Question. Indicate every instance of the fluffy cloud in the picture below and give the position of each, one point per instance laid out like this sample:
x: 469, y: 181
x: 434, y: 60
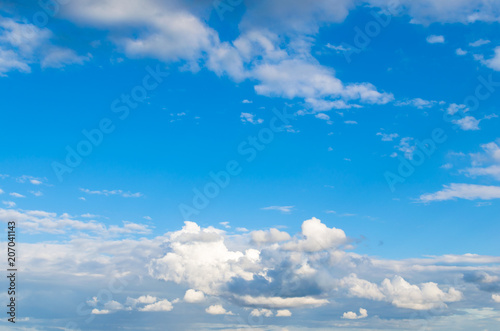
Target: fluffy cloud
x: 162, y: 305
x: 350, y: 315
x: 401, y: 293
x: 23, y: 44
x: 496, y: 297
x: 250, y: 118
x: 193, y: 296
x: 463, y: 191
x: 493, y: 62
x: 283, y: 313
x: 217, y: 310
x: 487, y: 162
x: 317, y: 237
x: 467, y: 123
x: 261, y: 312
x: 269, y: 236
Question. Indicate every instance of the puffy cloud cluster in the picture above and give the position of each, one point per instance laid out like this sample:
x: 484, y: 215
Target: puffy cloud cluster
x: 401, y: 293
x: 277, y: 271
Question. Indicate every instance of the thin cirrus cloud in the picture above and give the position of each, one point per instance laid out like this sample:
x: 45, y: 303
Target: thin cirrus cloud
x: 283, y: 209
x: 463, y: 191
x: 112, y: 192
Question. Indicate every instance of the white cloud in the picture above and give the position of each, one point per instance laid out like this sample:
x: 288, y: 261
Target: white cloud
x: 217, y: 310
x: 338, y: 48
x: 35, y: 221
x: 406, y: 147
x: 96, y: 311
x: 143, y: 299
x: 479, y: 42
x: 261, y: 312
x: 113, y: 192
x: 59, y: 57
x: 418, y: 103
x: 31, y: 179
x: 279, y: 302
x: 23, y: 44
x: 350, y: 122
x: 283, y: 209
x: 193, y: 296
x: 9, y: 204
x: 250, y: 118
x: 363, y: 313
x: 467, y: 123
x: 486, y: 163
x: 388, y: 136
x: 247, y: 101
x: 460, y: 52
x: 401, y: 293
x: 317, y: 237
x: 434, y: 39
x: 16, y: 195
x: 162, y: 305
x: 269, y: 236
x: 496, y: 297
x: 463, y: 191
x: 494, y: 62
x: 283, y: 313
x: 454, y: 108
x: 36, y: 193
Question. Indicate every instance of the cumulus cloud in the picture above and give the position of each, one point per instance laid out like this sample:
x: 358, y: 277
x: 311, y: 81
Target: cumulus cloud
x: 217, y: 310
x: 261, y: 312
x: 493, y: 62
x: 250, y: 118
x: 283, y: 313
x: 363, y: 313
x: 193, y: 296
x: 467, y: 123
x: 269, y: 236
x: 317, y: 237
x: 401, y: 293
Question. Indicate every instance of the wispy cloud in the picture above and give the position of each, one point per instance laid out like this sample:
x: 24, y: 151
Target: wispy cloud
x: 112, y: 192
x: 463, y: 191
x: 283, y: 209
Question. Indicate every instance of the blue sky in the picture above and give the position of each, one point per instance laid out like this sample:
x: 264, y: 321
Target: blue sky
x: 270, y: 165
